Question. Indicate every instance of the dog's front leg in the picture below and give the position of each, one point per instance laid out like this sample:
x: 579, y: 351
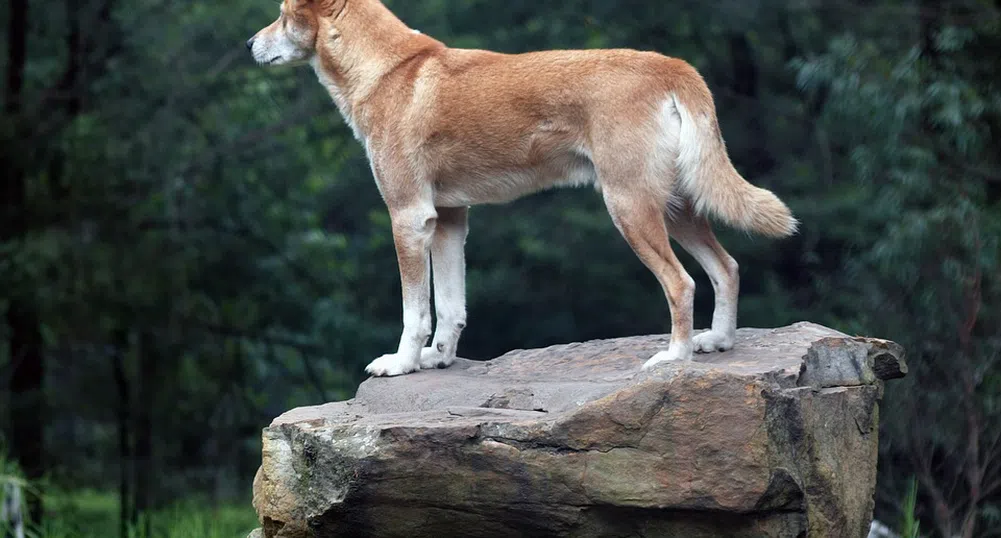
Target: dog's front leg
x: 413, y: 229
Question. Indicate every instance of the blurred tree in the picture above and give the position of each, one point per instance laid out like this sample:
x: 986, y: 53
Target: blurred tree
x: 915, y: 117
x: 27, y: 399
x: 200, y: 237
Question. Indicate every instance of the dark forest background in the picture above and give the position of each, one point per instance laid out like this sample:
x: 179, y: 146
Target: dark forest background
x: 191, y: 244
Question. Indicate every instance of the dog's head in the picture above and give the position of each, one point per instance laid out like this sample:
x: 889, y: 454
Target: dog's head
x: 292, y: 37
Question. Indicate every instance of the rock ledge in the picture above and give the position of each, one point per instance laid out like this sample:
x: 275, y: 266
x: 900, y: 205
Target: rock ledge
x: 777, y: 437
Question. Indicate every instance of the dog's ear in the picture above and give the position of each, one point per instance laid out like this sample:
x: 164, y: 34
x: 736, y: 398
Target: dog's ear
x: 328, y: 8
x: 319, y: 5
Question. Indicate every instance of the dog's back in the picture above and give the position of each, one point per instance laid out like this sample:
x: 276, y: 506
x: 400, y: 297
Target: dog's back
x: 490, y: 127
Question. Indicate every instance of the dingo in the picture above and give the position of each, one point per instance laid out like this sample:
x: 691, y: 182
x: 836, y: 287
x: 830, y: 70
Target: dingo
x: 447, y: 128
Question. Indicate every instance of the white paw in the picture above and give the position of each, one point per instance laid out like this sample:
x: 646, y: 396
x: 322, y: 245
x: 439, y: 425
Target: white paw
x: 392, y: 364
x: 432, y: 358
x: 673, y: 353
x: 711, y: 341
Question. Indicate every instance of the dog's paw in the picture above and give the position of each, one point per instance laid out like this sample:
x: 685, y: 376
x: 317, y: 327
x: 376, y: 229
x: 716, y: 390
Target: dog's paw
x: 391, y: 365
x: 711, y: 341
x: 673, y: 353
x: 432, y: 358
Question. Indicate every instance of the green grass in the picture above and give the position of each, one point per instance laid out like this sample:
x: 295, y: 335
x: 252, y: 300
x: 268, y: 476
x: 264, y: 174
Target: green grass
x: 909, y: 524
x: 94, y: 514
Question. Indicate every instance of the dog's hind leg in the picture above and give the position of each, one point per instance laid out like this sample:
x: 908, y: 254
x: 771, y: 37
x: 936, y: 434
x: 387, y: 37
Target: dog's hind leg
x: 639, y: 216
x: 449, y: 263
x: 695, y: 234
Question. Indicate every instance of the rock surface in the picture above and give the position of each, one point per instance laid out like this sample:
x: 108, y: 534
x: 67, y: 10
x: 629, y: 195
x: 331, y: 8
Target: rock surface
x: 777, y: 437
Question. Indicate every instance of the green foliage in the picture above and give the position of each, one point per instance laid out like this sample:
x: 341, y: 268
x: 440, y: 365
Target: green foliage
x: 205, y: 248
x: 92, y: 514
x: 917, y: 127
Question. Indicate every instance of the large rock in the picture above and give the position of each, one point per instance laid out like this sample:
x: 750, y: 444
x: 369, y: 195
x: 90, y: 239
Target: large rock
x: 777, y: 437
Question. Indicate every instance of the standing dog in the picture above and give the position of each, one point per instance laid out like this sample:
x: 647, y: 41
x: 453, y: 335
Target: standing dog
x: 447, y: 128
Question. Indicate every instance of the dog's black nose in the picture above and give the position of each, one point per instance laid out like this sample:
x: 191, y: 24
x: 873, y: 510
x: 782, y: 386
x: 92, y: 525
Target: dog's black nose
x: 250, y: 44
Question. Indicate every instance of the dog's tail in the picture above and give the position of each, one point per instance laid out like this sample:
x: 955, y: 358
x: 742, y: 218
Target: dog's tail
x: 709, y: 180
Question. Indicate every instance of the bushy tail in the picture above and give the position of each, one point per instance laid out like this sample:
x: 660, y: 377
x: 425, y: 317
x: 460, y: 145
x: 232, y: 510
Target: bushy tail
x: 709, y: 180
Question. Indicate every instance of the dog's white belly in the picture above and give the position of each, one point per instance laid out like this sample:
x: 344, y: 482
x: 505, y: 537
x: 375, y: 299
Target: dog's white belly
x: 460, y: 189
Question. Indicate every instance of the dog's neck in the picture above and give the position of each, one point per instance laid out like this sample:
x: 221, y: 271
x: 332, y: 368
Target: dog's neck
x: 356, y: 49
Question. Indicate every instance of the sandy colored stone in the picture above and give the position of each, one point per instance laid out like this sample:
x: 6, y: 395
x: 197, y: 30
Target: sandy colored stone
x: 777, y: 437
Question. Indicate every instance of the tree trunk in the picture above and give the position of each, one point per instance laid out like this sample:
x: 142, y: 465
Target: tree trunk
x: 148, y: 361
x: 928, y: 12
x: 11, y: 519
x: 27, y: 398
x: 123, y: 416
x: 28, y: 375
x: 17, y: 47
x: 745, y: 82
